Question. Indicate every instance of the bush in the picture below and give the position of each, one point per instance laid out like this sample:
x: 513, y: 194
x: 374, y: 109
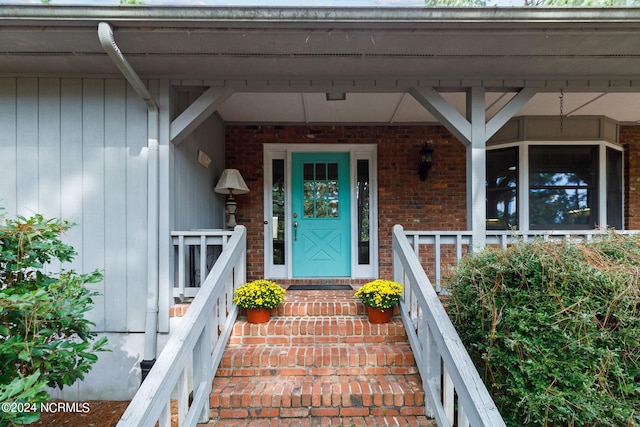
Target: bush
x: 554, y: 329
x: 44, y: 338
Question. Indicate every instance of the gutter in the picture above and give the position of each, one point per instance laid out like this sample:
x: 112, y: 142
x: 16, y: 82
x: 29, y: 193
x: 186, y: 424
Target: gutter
x: 190, y: 17
x: 105, y: 34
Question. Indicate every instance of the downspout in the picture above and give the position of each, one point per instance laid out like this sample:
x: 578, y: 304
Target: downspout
x: 105, y: 34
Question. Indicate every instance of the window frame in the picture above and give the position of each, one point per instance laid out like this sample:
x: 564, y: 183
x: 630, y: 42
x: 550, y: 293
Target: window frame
x: 523, y: 187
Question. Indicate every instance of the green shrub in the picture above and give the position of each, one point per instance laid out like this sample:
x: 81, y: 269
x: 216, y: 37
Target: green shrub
x: 554, y: 329
x: 44, y: 338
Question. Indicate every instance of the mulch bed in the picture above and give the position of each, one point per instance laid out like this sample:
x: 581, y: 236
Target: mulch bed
x: 99, y: 413
x: 92, y: 413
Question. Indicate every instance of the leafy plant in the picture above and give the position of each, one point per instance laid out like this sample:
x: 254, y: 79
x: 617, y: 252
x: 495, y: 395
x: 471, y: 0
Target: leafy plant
x: 259, y: 294
x: 554, y: 328
x: 380, y: 293
x: 44, y: 338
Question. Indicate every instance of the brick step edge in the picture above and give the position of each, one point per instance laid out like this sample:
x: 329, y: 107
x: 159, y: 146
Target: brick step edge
x: 306, y: 392
x: 397, y: 354
x: 329, y: 421
x: 365, y: 370
x: 318, y: 326
x: 305, y: 412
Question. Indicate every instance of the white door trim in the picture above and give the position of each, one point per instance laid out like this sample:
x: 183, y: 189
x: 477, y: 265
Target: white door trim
x: 357, y: 152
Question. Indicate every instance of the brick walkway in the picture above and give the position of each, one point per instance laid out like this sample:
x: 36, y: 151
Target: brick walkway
x: 318, y: 362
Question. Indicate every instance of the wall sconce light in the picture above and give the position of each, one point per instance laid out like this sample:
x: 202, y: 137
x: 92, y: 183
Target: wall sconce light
x: 426, y: 161
x: 231, y: 183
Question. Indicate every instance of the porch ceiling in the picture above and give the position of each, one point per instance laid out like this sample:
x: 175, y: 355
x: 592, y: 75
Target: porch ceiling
x: 281, y: 61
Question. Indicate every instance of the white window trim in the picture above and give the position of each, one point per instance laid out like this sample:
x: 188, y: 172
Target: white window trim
x: 523, y: 176
x: 357, y: 152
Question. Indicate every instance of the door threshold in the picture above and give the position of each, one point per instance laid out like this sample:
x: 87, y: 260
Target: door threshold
x: 319, y: 287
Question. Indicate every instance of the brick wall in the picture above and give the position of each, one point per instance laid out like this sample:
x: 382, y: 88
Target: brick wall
x: 630, y: 139
x: 436, y: 204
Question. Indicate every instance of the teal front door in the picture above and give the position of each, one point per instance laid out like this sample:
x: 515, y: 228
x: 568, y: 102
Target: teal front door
x: 320, y: 215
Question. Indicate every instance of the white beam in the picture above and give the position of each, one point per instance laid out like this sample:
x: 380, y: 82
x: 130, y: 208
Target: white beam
x: 508, y: 111
x: 455, y: 122
x: 198, y: 112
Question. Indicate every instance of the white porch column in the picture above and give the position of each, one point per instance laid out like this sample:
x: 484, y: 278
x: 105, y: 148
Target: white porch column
x: 473, y: 131
x: 476, y: 168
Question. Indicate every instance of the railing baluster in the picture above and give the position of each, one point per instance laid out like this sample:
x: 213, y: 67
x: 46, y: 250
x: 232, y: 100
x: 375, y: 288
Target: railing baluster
x: 203, y: 259
x: 448, y: 396
x: 165, y: 416
x: 463, y: 421
x: 183, y: 396
x: 201, y: 368
x: 181, y: 268
x: 437, y: 261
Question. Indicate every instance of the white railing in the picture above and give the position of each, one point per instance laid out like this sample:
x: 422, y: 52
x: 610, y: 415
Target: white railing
x: 191, y: 357
x: 454, y: 391
x: 436, y: 249
x: 195, y: 252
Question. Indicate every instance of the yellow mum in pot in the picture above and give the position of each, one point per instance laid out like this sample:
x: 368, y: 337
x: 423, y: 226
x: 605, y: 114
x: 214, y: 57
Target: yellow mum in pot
x: 259, y: 294
x: 382, y: 294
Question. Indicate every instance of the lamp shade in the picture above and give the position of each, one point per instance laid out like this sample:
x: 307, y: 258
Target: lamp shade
x: 231, y: 182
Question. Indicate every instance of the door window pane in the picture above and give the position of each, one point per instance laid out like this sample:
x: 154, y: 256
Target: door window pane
x: 320, y: 190
x: 363, y: 201
x: 278, y: 211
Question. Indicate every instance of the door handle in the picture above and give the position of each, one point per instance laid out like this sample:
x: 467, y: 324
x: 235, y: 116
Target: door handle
x: 295, y: 230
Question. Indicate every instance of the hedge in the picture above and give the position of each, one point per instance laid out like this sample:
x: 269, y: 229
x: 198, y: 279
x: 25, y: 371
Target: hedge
x: 554, y: 329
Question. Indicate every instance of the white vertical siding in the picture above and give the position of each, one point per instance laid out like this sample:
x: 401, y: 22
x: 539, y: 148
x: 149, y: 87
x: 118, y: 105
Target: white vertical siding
x: 115, y: 161
x: 136, y: 200
x: 71, y: 163
x: 93, y: 187
x: 27, y: 146
x: 8, y: 150
x: 195, y: 204
x: 76, y: 149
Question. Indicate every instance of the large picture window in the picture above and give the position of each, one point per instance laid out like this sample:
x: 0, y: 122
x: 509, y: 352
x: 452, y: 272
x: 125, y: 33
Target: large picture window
x: 536, y: 186
x: 563, y: 186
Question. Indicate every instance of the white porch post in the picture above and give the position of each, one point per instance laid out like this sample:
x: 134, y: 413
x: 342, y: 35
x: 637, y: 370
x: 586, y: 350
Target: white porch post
x: 476, y: 168
x: 473, y: 131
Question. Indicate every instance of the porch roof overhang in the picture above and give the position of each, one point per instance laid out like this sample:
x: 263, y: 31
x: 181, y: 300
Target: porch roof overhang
x: 291, y: 57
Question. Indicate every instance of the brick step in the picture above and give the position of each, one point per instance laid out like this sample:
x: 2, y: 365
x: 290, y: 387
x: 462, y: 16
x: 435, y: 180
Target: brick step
x: 320, y: 303
x: 306, y: 359
x: 317, y: 396
x: 368, y: 421
x: 319, y: 308
x: 317, y: 330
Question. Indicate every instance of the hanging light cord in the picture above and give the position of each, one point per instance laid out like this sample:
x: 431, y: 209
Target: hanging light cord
x: 561, y: 110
